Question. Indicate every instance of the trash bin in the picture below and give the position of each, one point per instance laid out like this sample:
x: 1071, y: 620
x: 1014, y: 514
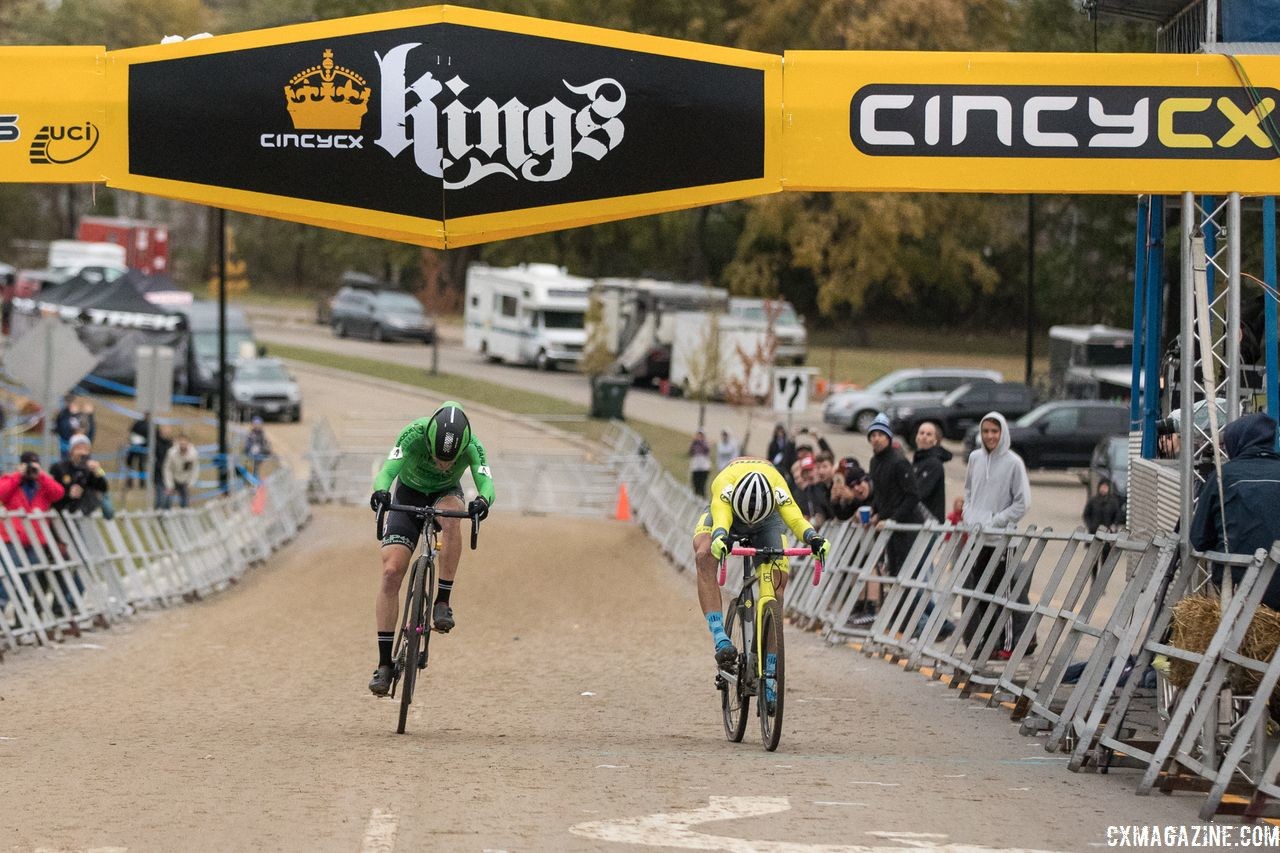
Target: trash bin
x: 607, y: 395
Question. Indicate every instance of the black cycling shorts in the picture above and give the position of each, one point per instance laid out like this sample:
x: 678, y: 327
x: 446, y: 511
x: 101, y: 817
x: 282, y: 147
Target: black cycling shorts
x: 401, y: 528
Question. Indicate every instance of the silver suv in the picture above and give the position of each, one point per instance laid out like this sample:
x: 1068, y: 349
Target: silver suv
x: 263, y: 387
x: 856, y: 409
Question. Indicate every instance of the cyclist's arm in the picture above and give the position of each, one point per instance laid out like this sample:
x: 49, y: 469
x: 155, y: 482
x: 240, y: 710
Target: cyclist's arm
x: 721, y: 509
x: 787, y: 507
x: 390, y: 468
x: 480, y: 471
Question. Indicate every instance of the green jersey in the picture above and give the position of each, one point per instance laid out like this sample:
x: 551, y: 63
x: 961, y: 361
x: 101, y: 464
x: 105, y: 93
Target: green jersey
x: 411, y: 460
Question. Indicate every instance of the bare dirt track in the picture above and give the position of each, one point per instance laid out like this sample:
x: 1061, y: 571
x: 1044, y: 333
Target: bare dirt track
x: 243, y: 723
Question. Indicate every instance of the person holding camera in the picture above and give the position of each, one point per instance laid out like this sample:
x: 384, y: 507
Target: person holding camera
x: 31, y: 489
x: 82, y: 478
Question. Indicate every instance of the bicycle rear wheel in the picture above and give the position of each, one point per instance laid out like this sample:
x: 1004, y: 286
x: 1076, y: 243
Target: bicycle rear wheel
x: 734, y: 698
x: 773, y: 676
x: 415, y: 635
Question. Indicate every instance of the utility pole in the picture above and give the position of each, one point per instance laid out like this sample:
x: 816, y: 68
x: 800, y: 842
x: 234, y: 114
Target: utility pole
x: 1031, y: 287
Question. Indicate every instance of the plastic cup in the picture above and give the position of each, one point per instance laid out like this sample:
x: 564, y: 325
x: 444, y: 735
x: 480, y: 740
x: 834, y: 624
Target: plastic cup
x: 864, y: 514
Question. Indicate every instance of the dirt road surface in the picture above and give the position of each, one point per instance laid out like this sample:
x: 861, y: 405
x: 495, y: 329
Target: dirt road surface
x: 571, y: 709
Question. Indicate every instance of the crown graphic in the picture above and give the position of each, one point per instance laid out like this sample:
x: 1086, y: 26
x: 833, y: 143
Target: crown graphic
x: 327, y: 97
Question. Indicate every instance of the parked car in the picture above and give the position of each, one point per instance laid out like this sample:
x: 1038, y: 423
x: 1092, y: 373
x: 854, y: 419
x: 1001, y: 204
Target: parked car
x: 262, y: 386
x: 350, y: 278
x: 962, y: 408
x: 382, y: 315
x: 1110, y: 462
x: 856, y: 409
x: 1062, y: 434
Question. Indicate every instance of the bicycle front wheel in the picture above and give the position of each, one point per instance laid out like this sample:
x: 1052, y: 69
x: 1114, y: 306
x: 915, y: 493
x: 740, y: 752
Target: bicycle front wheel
x: 415, y: 630
x: 734, y: 698
x: 772, y: 686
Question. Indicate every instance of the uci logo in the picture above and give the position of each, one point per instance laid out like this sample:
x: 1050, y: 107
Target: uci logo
x: 9, y: 128
x: 1213, y: 123
x: 59, y: 144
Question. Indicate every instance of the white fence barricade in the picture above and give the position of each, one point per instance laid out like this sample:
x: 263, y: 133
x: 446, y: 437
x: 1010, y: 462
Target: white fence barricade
x: 61, y: 574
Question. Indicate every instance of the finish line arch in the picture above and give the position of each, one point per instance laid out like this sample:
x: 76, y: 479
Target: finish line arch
x: 445, y: 127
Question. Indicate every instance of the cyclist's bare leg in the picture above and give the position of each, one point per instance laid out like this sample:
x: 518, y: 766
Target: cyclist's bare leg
x: 450, y: 538
x: 708, y: 588
x: 395, y: 562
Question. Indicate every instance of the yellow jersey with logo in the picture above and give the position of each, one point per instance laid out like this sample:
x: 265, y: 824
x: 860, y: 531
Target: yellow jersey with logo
x: 722, y: 496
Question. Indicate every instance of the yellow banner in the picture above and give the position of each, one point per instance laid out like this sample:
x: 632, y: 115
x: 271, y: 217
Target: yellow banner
x: 53, y: 110
x: 1024, y: 123
x: 444, y: 126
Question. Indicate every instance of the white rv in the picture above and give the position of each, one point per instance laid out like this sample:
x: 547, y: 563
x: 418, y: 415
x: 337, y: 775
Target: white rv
x: 530, y: 314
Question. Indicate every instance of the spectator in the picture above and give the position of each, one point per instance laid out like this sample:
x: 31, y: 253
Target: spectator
x: 1103, y: 511
x: 1243, y: 517
x: 181, y: 470
x: 699, y: 463
x: 850, y: 489
x: 782, y: 450
x: 135, y: 456
x: 997, y: 494
x: 893, y: 491
x: 28, y: 488
x: 727, y: 450
x: 164, y: 441
x: 931, y: 476
x: 75, y: 417
x: 82, y: 479
x: 257, y: 447
x: 802, y: 478
x: 818, y: 493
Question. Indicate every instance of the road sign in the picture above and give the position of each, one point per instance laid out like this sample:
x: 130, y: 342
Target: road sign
x: 154, y: 379
x: 49, y: 360
x: 791, y: 389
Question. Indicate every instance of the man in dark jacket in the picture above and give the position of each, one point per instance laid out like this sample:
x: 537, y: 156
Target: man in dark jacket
x: 893, y: 491
x: 1103, y: 510
x: 931, y: 478
x: 82, y: 478
x: 1243, y: 518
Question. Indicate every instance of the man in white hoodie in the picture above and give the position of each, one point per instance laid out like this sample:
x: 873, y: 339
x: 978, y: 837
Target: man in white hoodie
x: 997, y: 493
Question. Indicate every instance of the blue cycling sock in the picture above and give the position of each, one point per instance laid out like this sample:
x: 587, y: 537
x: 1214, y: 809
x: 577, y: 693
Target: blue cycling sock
x: 770, y: 684
x: 770, y: 664
x: 715, y: 622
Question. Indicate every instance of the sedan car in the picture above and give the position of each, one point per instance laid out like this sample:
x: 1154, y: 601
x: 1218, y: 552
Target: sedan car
x: 856, y: 409
x: 262, y: 386
x: 1062, y: 434
x: 382, y: 315
x: 962, y: 408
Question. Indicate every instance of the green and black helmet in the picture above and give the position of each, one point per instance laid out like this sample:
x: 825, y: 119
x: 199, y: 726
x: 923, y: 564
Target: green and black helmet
x: 448, y: 432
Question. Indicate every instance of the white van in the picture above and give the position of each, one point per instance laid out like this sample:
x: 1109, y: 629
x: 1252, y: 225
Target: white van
x: 530, y: 314
x: 69, y: 257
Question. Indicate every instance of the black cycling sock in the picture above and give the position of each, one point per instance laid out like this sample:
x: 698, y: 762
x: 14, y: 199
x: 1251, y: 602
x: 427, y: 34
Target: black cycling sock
x: 385, y: 639
x: 443, y: 588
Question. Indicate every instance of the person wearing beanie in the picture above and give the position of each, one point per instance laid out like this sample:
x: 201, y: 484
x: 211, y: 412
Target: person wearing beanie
x: 1240, y: 517
x: 894, y: 495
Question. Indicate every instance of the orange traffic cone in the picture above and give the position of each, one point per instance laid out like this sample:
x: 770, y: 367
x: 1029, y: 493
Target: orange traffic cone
x: 259, y: 504
x: 623, y: 512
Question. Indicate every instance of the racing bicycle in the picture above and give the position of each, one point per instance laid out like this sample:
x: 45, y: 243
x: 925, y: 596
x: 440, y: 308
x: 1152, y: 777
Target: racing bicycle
x: 754, y: 623
x: 409, y: 654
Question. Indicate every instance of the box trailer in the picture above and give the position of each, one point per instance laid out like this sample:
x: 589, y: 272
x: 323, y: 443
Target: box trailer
x: 718, y: 353
x: 145, y: 244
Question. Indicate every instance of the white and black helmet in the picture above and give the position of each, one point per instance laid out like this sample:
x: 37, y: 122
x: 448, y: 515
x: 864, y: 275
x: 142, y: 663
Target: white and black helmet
x: 752, y: 499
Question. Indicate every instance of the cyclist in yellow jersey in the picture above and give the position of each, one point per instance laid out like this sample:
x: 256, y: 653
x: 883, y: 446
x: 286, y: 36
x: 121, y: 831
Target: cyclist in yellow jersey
x: 750, y: 504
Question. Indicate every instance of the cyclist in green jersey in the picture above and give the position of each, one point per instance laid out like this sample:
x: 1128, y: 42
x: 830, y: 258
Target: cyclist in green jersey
x: 424, y: 468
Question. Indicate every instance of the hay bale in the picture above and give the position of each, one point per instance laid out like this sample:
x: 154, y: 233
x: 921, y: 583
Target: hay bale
x: 1195, y: 619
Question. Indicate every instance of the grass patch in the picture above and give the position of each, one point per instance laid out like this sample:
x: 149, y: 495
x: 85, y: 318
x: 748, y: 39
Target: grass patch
x: 670, y: 447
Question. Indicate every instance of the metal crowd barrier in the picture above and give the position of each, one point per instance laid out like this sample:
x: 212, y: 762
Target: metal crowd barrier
x: 60, y: 574
x: 1079, y: 675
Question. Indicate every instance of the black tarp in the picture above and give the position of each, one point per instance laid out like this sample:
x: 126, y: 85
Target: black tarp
x: 112, y: 320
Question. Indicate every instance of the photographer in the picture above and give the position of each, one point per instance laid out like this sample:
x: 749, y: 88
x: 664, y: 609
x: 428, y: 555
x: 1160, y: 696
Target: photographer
x: 82, y: 478
x: 28, y: 488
